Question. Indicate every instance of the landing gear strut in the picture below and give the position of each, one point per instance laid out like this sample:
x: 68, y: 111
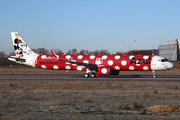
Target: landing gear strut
x: 154, y: 74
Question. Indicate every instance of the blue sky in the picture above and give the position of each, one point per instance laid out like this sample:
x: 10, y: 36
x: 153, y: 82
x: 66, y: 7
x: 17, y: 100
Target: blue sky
x: 90, y: 24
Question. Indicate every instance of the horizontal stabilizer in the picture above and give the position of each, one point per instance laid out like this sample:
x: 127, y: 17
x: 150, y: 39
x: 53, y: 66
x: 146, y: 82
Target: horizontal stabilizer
x: 16, y: 59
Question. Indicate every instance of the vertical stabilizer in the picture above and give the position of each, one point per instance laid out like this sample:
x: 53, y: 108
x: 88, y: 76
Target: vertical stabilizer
x: 20, y: 46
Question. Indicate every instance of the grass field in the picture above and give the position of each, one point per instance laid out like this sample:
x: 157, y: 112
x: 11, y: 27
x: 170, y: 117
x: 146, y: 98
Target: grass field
x: 88, y: 99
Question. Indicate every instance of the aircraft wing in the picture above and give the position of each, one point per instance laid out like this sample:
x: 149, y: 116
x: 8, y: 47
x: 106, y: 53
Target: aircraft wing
x: 87, y: 65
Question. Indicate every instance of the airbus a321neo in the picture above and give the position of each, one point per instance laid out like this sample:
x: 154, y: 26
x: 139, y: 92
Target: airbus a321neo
x: 93, y: 65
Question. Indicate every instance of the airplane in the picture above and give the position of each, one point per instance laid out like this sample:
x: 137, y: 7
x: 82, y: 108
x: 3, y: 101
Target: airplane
x: 93, y: 65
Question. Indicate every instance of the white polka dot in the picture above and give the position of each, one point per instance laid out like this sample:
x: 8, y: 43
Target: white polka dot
x: 67, y: 67
x: 131, y: 68
x: 92, y: 57
x: 43, y: 56
x: 117, y: 57
x: 131, y: 56
x: 74, y: 65
x: 138, y: 64
x: 104, y: 70
x: 123, y: 62
x: 68, y: 63
x: 79, y: 68
x: 110, y: 62
x: 98, y: 61
x: 104, y: 57
x: 85, y: 61
x: 68, y: 56
x: 55, y: 67
x: 145, y: 57
x: 43, y: 66
x: 74, y: 61
x: 80, y: 56
x: 117, y: 68
x: 145, y: 68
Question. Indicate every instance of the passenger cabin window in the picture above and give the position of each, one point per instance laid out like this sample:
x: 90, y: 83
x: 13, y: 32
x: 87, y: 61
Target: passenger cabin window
x: 164, y: 60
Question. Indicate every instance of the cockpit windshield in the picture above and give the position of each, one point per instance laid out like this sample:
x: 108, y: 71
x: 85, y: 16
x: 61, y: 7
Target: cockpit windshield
x: 164, y: 60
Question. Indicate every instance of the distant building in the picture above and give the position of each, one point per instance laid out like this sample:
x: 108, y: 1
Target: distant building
x: 170, y: 50
x: 155, y: 51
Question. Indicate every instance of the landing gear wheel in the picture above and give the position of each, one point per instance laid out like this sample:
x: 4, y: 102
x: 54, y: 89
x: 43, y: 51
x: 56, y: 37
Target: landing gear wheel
x: 86, y: 75
x: 93, y: 75
x: 154, y: 74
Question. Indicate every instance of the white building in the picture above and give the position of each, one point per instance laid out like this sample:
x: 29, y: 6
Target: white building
x: 170, y: 50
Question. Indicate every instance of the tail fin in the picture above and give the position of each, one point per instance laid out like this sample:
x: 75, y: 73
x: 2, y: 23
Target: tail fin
x: 20, y: 46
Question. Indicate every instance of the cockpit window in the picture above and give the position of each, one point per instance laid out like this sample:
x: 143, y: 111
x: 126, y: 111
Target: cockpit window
x: 164, y: 60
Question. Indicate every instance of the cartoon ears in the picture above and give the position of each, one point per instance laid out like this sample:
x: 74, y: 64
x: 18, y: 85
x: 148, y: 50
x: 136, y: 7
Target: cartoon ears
x: 16, y: 41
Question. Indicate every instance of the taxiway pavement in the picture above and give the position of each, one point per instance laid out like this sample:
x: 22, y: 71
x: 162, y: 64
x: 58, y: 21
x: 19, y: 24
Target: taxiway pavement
x: 55, y: 77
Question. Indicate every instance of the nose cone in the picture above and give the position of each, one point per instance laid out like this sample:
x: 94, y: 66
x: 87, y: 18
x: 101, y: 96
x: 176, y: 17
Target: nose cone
x: 169, y: 65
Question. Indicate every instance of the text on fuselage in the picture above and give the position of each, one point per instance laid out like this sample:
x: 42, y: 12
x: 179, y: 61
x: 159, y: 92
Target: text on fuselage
x: 140, y: 61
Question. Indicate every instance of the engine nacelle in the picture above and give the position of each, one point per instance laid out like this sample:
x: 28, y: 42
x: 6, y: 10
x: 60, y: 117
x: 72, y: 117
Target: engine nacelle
x: 114, y: 72
x: 103, y: 71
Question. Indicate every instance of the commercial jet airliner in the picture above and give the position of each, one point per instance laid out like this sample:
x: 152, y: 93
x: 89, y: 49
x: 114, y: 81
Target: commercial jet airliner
x: 93, y: 65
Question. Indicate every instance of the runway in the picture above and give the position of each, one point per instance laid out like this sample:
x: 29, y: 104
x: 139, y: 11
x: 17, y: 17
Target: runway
x: 75, y: 77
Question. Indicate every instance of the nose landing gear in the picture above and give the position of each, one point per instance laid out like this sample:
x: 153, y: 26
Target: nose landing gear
x: 154, y: 74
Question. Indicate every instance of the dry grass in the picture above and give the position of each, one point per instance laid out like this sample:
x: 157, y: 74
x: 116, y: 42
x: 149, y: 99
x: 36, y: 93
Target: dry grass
x: 164, y: 108
x: 89, y: 99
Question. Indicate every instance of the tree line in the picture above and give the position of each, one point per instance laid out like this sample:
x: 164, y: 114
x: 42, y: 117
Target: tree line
x: 3, y: 55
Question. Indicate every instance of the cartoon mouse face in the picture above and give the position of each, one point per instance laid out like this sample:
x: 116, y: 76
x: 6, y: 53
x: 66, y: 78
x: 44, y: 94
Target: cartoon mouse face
x: 20, y: 45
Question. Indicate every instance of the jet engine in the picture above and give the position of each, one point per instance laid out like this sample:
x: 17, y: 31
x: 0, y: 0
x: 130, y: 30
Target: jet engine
x: 103, y: 71
x: 114, y: 72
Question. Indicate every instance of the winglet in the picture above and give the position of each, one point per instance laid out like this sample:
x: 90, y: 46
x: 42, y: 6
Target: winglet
x: 54, y: 55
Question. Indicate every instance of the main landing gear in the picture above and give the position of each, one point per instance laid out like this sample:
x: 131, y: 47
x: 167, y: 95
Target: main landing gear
x: 154, y: 74
x: 86, y: 75
x: 89, y: 73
